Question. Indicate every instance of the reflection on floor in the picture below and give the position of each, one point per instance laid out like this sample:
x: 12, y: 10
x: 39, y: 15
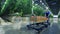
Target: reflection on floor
x: 54, y: 29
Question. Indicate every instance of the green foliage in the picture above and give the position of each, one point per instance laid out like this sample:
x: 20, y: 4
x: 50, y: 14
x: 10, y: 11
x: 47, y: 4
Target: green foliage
x: 23, y: 7
x: 6, y: 3
x: 51, y: 16
x: 0, y: 3
x: 38, y: 10
x: 13, y: 6
x: 58, y: 16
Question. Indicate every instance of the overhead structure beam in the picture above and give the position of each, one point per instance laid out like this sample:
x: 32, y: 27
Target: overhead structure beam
x: 54, y: 5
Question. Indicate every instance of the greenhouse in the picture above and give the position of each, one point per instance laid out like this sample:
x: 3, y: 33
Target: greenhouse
x: 29, y: 16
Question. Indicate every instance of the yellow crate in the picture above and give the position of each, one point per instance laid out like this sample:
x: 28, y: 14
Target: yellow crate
x: 39, y: 19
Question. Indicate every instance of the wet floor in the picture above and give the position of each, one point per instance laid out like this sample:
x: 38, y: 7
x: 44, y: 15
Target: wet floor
x: 53, y: 29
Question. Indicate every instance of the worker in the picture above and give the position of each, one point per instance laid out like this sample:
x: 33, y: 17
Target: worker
x: 47, y: 13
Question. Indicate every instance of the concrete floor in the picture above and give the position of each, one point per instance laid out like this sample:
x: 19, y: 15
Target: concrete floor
x: 53, y: 29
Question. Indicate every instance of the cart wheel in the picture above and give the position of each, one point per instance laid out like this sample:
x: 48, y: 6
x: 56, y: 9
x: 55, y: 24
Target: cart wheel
x: 38, y: 32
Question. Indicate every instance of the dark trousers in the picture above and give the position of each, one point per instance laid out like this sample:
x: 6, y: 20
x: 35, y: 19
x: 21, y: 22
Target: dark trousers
x: 48, y: 20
